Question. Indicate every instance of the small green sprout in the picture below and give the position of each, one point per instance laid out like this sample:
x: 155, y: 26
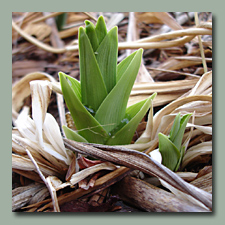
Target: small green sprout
x: 61, y: 21
x: 98, y: 102
x: 170, y: 146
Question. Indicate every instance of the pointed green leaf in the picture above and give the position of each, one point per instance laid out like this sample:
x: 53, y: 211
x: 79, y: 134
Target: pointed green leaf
x: 106, y: 56
x: 136, y: 112
x: 183, y: 123
x: 61, y: 21
x: 93, y: 89
x: 86, y: 124
x: 113, y: 109
x: 75, y: 84
x: 100, y: 29
x: 123, y: 65
x: 175, y: 128
x: 135, y: 108
x: 90, y: 31
x: 170, y: 153
x: 73, y: 135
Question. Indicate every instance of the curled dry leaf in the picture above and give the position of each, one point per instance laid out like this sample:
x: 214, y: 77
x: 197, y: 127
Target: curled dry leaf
x: 79, y: 176
x: 45, y: 122
x: 91, y: 170
x: 204, y: 82
x: 204, y: 129
x: 21, y: 90
x: 167, y: 19
x: 40, y: 31
x: 204, y: 148
x: 18, y: 147
x: 25, y: 164
x: 166, y: 91
x: 172, y: 106
x: 42, y: 133
x: 156, y: 41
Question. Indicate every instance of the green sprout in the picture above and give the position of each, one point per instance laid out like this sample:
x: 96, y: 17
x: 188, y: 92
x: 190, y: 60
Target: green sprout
x: 61, y: 21
x: 98, y: 102
x: 170, y: 146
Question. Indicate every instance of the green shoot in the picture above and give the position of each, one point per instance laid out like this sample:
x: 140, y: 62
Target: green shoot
x: 98, y: 102
x: 170, y: 146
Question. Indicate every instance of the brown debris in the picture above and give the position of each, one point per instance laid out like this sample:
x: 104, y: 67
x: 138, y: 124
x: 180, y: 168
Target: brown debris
x: 131, y: 190
x: 178, y: 67
x: 80, y: 206
x: 27, y: 66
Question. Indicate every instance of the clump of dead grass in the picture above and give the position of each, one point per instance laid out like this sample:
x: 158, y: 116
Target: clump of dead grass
x: 41, y: 154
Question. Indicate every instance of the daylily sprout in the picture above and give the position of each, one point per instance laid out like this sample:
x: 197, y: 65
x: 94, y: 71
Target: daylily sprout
x: 98, y: 102
x: 170, y: 146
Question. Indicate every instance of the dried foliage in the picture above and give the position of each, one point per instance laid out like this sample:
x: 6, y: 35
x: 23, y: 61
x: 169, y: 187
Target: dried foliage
x: 56, y: 174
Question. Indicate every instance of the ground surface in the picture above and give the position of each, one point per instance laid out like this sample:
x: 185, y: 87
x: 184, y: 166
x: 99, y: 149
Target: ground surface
x: 159, y: 64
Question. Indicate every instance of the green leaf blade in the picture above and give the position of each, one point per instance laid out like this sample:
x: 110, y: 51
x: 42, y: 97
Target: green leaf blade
x: 106, y: 56
x: 136, y: 112
x: 86, y: 124
x: 170, y: 153
x: 73, y: 135
x: 123, y: 65
x: 93, y: 89
x: 183, y: 123
x: 100, y: 29
x: 135, y: 108
x: 61, y: 21
x: 175, y: 128
x: 75, y: 85
x: 90, y: 31
x: 113, y: 108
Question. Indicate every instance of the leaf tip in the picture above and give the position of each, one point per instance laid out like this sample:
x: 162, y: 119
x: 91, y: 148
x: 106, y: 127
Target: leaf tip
x: 87, y: 22
x: 61, y: 75
x: 153, y: 95
x: 81, y: 31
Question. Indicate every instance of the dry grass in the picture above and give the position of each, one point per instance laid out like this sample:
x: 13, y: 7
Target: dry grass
x: 177, y: 64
